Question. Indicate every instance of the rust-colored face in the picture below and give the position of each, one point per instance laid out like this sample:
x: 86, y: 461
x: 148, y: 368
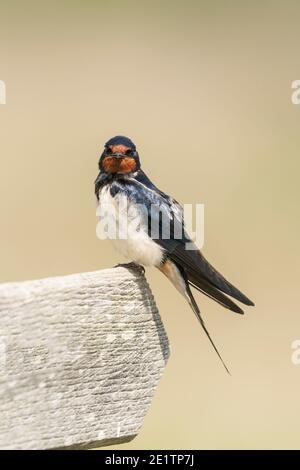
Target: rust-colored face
x: 119, y: 149
x: 119, y: 163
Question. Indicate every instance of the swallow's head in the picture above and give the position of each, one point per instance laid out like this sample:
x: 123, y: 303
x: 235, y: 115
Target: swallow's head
x: 119, y: 156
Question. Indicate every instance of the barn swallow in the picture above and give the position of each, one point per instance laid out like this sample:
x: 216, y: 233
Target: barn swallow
x: 120, y: 180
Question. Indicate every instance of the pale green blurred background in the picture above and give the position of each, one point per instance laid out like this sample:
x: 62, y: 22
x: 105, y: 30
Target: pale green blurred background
x: 204, y: 89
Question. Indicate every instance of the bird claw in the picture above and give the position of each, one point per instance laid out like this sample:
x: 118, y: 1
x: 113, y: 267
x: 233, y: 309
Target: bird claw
x: 131, y: 265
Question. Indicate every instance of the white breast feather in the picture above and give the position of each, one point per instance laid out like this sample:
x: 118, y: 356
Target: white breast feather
x: 134, y: 245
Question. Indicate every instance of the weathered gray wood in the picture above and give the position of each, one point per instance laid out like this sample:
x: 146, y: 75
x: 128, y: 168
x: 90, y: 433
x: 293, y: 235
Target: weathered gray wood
x: 80, y: 357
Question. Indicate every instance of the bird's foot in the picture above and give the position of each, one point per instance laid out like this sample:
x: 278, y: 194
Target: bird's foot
x: 131, y: 265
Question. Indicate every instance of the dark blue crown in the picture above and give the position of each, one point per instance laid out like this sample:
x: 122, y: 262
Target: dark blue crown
x: 120, y: 140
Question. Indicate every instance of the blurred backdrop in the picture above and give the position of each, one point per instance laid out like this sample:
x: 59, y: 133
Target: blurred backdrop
x: 204, y: 90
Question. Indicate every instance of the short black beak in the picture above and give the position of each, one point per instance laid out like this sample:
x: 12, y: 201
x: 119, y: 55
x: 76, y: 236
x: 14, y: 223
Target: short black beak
x: 117, y: 155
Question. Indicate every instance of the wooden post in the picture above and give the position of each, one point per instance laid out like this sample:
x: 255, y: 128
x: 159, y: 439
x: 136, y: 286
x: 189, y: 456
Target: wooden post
x: 80, y: 358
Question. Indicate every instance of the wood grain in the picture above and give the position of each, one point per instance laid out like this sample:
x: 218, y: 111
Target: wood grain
x: 80, y: 358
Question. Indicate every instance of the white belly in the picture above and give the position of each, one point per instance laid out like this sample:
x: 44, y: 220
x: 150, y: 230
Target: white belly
x: 119, y: 220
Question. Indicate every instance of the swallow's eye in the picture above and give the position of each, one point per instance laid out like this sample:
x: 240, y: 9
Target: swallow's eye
x: 129, y: 152
x: 108, y: 150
